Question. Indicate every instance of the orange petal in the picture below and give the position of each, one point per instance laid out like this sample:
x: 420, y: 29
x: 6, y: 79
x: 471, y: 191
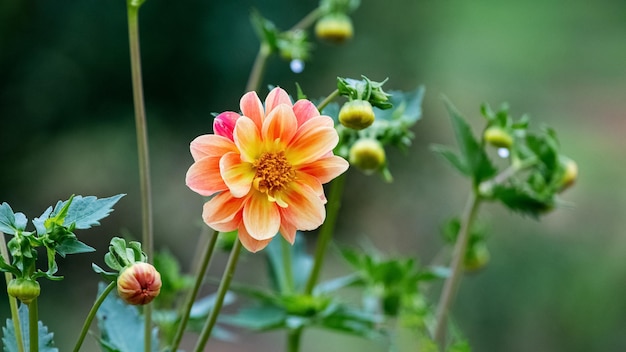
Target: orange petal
x: 223, y: 212
x: 280, y: 124
x: 312, y: 182
x: 313, y: 140
x: 261, y: 217
x: 306, y: 210
x: 288, y: 231
x: 251, y: 106
x: 210, y: 145
x: 204, y: 178
x: 304, y: 110
x: 325, y: 169
x: 247, y: 139
x: 237, y: 175
x: 276, y: 97
x: 249, y: 243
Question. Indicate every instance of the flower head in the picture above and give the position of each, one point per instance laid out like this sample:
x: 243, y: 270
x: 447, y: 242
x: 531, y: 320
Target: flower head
x: 265, y: 168
x: 139, y: 283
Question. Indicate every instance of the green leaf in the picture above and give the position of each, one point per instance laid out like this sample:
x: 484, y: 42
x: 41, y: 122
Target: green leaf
x: 301, y: 264
x: 107, y: 275
x: 85, y: 212
x: 523, y: 200
x: 46, y: 343
x: 452, y: 157
x: 10, y: 222
x: 40, y: 222
x: 261, y: 318
x: 71, y: 245
x: 121, y: 326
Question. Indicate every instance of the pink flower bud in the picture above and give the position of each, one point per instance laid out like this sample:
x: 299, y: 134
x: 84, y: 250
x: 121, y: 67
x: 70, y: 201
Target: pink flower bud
x: 139, y: 284
x: 224, y: 124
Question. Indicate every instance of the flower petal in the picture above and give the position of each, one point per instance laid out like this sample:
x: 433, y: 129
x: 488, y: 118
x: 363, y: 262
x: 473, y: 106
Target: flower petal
x: 204, y: 178
x: 237, y: 175
x: 224, y: 124
x: 312, y: 182
x: 223, y: 212
x: 288, y: 231
x: 280, y: 124
x: 313, y: 140
x: 325, y: 169
x: 276, y: 97
x: 210, y: 145
x: 306, y: 210
x: 261, y: 217
x: 249, y: 243
x: 247, y: 139
x: 304, y: 110
x: 251, y: 106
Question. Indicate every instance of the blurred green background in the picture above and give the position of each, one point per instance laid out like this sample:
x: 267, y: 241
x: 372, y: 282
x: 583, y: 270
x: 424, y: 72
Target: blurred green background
x: 554, y: 285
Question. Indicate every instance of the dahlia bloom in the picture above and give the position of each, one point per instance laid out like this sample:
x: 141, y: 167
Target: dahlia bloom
x: 265, y: 168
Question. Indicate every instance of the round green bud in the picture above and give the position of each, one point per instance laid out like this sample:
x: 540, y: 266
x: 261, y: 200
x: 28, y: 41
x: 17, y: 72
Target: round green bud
x: 367, y: 154
x: 498, y: 137
x: 477, y: 257
x: 357, y: 114
x: 26, y: 290
x: 334, y: 27
x: 570, y: 173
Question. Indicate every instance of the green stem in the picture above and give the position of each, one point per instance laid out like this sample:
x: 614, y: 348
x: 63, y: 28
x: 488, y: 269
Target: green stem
x: 33, y: 326
x: 308, y: 20
x: 229, y: 272
x: 15, y: 317
x: 328, y: 99
x: 287, y: 265
x: 456, y: 269
x: 258, y: 67
x: 142, y: 147
x: 326, y: 231
x: 293, y: 340
x: 206, y: 260
x: 92, y: 314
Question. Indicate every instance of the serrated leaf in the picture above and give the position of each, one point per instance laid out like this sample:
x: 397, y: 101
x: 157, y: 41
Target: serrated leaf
x: 40, y: 222
x: 7, y: 220
x: 85, y: 212
x: 121, y: 326
x: 71, y: 245
x: 452, y: 157
x: 46, y: 343
x: 522, y: 201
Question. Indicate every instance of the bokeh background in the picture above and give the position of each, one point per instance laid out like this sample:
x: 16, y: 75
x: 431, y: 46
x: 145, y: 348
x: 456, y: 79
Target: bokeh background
x: 557, y: 284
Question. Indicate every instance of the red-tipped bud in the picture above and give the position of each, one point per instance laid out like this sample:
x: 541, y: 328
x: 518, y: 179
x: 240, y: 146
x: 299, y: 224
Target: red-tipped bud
x: 139, y: 284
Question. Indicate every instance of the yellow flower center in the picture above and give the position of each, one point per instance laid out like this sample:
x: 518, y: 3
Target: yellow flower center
x: 273, y: 173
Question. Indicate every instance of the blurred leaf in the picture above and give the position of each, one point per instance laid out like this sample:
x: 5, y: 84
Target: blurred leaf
x: 121, y: 327
x: 46, y: 344
x: 173, y: 280
x: 523, y: 200
x: 85, y: 212
x: 265, y: 29
x: 452, y: 157
x: 261, y: 318
x: 337, y: 284
x: 301, y: 264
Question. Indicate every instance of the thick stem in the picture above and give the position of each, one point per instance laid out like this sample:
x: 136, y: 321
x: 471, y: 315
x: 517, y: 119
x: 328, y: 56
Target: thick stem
x: 293, y: 340
x: 258, y: 69
x: 456, y: 269
x: 326, y: 231
x: 142, y: 147
x: 33, y: 325
x: 229, y: 272
x: 328, y: 99
x: 92, y: 314
x: 206, y: 260
x: 15, y: 317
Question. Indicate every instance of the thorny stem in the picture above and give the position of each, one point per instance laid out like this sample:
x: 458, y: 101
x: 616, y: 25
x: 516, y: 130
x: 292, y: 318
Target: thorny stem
x: 33, y: 325
x: 206, y: 260
x: 258, y: 68
x: 229, y: 272
x: 142, y: 147
x: 15, y: 317
x: 327, y: 100
x: 92, y: 314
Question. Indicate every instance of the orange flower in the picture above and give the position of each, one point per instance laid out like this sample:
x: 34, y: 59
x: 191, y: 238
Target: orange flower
x: 265, y: 168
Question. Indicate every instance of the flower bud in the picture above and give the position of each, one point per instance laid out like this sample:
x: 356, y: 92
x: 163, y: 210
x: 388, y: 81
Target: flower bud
x: 26, y: 290
x: 477, y: 257
x: 498, y: 137
x: 139, y: 284
x: 367, y: 154
x: 357, y: 114
x: 334, y: 27
x: 570, y: 173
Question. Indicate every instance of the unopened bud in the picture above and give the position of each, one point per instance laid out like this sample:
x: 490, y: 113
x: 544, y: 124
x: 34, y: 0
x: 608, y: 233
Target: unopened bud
x: 570, y: 173
x: 367, y: 154
x: 334, y: 27
x: 139, y: 284
x: 357, y: 114
x: 477, y: 257
x: 498, y: 137
x: 26, y: 290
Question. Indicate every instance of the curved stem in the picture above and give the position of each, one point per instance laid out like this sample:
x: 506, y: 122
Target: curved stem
x: 206, y: 260
x: 92, y: 314
x: 142, y: 147
x: 259, y: 67
x: 15, y: 317
x: 308, y: 20
x: 33, y: 326
x: 456, y: 268
x: 328, y: 99
x: 326, y: 231
x: 229, y: 272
